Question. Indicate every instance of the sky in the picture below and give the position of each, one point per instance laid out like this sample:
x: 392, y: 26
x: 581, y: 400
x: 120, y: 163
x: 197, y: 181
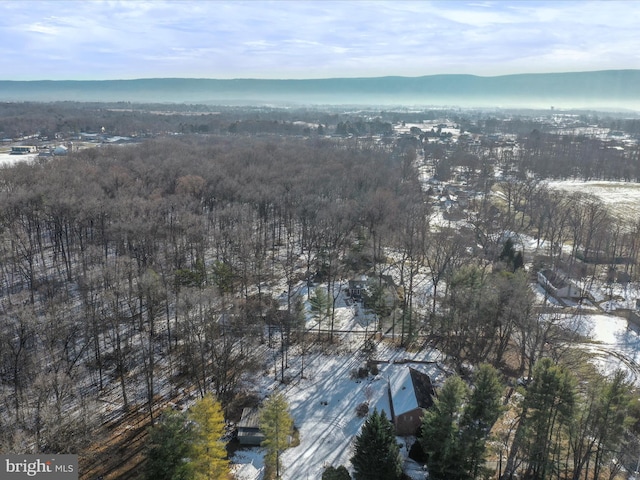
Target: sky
x: 293, y: 39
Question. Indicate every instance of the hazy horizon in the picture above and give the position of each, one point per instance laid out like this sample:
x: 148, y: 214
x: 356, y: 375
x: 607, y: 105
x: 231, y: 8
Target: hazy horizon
x: 602, y: 90
x: 303, y: 79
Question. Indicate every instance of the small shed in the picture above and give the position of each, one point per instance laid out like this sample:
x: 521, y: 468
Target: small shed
x: 249, y: 427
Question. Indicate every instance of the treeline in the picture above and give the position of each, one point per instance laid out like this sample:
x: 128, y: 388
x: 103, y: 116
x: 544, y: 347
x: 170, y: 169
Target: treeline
x: 579, y: 157
x: 544, y: 156
x: 539, y: 150
x: 127, y: 119
x: 523, y: 122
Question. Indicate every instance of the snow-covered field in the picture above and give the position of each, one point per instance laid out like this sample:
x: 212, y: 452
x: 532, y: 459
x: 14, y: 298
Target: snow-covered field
x: 623, y: 198
x: 618, y: 344
x: 616, y: 341
x: 8, y: 159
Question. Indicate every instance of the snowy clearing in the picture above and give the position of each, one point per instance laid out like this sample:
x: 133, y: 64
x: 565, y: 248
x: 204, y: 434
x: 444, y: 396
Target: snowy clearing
x: 324, y: 409
x: 623, y: 198
x: 7, y: 159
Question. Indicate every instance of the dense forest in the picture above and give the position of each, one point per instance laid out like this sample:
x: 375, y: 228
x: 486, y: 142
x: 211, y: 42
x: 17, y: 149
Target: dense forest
x: 116, y: 259
x: 132, y: 274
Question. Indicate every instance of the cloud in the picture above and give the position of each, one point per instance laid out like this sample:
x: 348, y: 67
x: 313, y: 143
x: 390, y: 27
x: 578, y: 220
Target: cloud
x: 298, y: 39
x: 41, y: 28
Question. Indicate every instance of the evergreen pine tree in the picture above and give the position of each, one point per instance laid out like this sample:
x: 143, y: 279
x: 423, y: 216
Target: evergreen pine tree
x: 377, y: 456
x: 480, y: 413
x: 333, y: 473
x: 518, y: 261
x: 276, y: 424
x: 441, y: 432
x: 319, y: 302
x: 548, y: 410
x: 208, y: 453
x: 455, y: 429
x: 167, y: 449
x: 613, y: 419
x: 508, y: 252
x: 513, y: 259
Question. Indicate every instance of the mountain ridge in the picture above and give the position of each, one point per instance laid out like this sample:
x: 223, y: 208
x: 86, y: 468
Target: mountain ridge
x: 610, y: 88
